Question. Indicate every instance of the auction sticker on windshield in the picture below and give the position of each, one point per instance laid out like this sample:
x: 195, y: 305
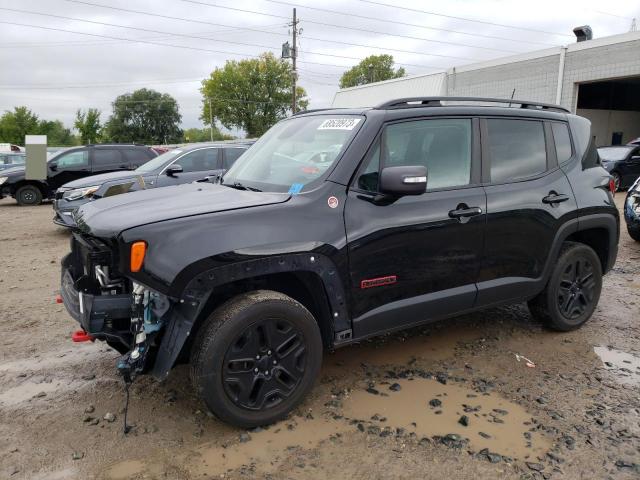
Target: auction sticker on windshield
x: 339, y: 124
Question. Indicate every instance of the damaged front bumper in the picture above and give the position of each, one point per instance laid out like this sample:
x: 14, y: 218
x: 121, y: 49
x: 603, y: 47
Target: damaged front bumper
x: 127, y: 315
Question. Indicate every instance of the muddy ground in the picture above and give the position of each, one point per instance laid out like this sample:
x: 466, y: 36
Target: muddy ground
x: 390, y: 408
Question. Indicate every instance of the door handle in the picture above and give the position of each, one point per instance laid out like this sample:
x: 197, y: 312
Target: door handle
x: 465, y: 212
x: 554, y: 198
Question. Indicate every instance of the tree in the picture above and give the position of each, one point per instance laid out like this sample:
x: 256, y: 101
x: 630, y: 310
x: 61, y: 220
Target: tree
x: 57, y: 134
x: 15, y: 125
x: 374, y: 68
x: 250, y: 94
x: 144, y: 116
x: 204, y: 135
x: 88, y: 124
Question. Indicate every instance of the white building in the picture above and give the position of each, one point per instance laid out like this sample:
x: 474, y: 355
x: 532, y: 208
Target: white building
x: 598, y: 79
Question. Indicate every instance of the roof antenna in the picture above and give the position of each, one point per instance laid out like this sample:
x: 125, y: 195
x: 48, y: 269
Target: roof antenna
x: 512, y: 94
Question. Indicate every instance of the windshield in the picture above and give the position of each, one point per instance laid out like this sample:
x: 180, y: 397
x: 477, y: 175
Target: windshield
x: 159, y: 161
x: 611, y: 154
x: 294, y: 154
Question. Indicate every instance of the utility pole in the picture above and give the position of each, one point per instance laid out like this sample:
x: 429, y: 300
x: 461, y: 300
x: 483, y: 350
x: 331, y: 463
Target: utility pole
x: 210, y: 120
x: 294, y: 55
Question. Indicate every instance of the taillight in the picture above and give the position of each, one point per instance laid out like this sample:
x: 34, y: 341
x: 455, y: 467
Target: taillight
x: 612, y: 186
x: 138, y: 250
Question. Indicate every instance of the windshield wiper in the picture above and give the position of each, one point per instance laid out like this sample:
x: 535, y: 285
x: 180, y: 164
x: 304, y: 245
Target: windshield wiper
x: 239, y: 186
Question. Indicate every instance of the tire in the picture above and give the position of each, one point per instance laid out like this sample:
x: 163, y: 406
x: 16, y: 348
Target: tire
x: 634, y: 232
x: 29, y: 195
x: 617, y: 181
x: 224, y: 357
x: 571, y: 294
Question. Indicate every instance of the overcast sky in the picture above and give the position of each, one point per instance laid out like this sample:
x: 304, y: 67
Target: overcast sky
x: 54, y: 72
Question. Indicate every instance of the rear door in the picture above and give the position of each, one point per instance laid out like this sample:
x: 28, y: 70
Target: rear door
x: 196, y: 165
x: 416, y: 257
x: 528, y: 199
x: 134, y: 157
x: 105, y: 160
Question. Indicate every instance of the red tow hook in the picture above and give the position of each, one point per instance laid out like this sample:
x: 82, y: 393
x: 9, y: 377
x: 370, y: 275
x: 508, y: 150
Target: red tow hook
x: 59, y: 298
x: 81, y: 336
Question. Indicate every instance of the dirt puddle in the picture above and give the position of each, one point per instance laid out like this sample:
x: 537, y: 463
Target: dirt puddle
x: 493, y: 422
x: 625, y: 366
x: 266, y: 448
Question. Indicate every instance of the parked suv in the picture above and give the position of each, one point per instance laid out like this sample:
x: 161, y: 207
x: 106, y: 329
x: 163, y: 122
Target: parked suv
x: 72, y: 164
x: 338, y: 225
x: 622, y: 162
x: 181, y: 165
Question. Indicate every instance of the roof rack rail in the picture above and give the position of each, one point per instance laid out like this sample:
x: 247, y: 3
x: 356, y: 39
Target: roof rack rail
x: 300, y: 112
x: 414, y: 102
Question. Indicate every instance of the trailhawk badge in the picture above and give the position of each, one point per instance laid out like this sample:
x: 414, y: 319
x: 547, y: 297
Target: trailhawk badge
x: 332, y: 202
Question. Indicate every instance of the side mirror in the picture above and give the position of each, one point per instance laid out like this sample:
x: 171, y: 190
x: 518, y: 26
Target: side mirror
x: 173, y: 170
x: 406, y: 180
x: 53, y: 166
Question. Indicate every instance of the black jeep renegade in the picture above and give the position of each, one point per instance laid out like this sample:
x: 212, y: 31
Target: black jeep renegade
x: 338, y: 225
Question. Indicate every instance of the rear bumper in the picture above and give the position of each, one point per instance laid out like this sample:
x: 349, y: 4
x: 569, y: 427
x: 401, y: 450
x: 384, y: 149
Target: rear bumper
x: 94, y: 313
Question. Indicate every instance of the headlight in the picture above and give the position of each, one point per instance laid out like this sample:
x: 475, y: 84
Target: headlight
x: 79, y: 193
x: 3, y: 179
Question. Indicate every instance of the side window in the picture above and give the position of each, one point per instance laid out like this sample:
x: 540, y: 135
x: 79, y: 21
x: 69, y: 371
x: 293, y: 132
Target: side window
x: 199, y: 160
x: 517, y: 149
x: 105, y: 158
x: 73, y: 160
x: 136, y: 156
x: 231, y: 155
x: 562, y: 141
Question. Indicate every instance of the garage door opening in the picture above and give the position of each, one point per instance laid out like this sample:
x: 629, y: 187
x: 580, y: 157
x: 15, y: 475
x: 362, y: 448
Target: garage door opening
x: 613, y: 106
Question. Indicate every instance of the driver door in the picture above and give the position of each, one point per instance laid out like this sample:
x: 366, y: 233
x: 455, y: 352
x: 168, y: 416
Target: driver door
x: 196, y: 165
x: 416, y: 258
x: 69, y: 167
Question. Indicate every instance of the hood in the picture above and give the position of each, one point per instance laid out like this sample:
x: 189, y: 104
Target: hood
x: 12, y: 172
x: 102, y: 178
x: 109, y: 216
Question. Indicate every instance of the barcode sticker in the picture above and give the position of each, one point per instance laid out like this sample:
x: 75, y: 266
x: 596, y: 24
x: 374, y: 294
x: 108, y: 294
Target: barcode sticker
x: 339, y: 124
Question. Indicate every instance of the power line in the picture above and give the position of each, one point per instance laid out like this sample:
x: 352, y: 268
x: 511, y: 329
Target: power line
x: 351, y: 28
x: 413, y: 52
x: 197, y: 37
x: 406, y: 24
x: 427, y: 12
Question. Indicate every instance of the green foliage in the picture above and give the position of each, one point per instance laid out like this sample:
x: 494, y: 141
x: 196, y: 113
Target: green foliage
x: 374, y: 68
x: 15, y: 125
x: 144, y: 116
x: 57, y: 134
x: 88, y: 124
x: 250, y: 94
x: 193, y: 135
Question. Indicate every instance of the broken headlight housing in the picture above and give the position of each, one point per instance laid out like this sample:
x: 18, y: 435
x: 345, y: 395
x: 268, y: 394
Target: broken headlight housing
x: 78, y: 193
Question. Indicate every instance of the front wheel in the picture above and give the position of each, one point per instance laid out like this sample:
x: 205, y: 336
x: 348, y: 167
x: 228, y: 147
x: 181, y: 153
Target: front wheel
x: 256, y: 357
x: 572, y: 291
x: 29, y: 195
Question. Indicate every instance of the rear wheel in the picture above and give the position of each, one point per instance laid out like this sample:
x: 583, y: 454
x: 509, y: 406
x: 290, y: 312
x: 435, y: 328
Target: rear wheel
x: 573, y: 289
x: 256, y: 357
x: 29, y: 195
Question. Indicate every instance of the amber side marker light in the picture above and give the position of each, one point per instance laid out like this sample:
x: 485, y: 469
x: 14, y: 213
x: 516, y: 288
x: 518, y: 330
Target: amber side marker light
x: 138, y: 250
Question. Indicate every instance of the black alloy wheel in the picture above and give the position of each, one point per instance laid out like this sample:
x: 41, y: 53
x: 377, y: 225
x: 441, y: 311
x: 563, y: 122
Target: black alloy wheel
x: 255, y: 358
x: 577, y: 288
x: 264, y: 364
x: 572, y: 291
